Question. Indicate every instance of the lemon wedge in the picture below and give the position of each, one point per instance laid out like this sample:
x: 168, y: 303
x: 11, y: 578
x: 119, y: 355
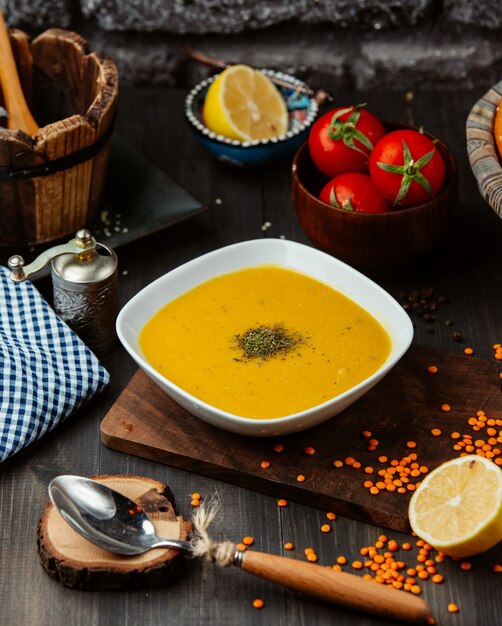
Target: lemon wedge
x: 243, y: 104
x: 458, y: 506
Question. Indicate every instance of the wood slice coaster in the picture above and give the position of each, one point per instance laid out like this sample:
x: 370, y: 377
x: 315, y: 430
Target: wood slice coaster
x: 75, y: 562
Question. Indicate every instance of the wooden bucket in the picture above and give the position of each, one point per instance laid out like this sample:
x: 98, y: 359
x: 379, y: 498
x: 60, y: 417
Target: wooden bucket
x: 51, y: 184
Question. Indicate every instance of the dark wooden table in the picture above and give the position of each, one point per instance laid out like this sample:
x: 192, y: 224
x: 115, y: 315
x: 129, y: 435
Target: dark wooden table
x: 467, y: 270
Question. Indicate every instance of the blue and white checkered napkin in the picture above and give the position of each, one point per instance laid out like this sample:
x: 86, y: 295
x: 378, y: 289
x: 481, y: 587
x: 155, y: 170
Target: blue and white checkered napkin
x: 46, y: 371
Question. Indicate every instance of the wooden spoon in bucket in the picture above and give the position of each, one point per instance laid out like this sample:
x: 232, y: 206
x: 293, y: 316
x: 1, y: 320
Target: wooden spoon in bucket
x: 15, y: 103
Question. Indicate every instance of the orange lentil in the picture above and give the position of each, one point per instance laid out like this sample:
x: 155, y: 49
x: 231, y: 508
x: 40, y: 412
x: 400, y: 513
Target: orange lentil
x: 369, y: 470
x: 455, y: 435
x: 248, y: 541
x: 416, y: 590
x: 465, y: 565
x: 241, y: 547
x: 432, y: 369
x: 379, y: 544
x: 430, y: 621
x: 278, y: 447
x: 401, y: 490
x: 337, y: 568
x: 325, y: 528
x: 374, y: 491
x: 331, y: 515
x: 437, y: 578
x: 265, y: 464
x: 373, y: 442
x: 196, y: 496
x: 468, y: 351
x: 341, y: 560
x: 312, y: 558
x: 309, y: 450
x: 393, y: 546
x: 496, y: 346
x: 411, y: 444
x: 383, y: 459
x: 368, y: 484
x: 349, y: 460
x: 356, y: 465
x: 308, y: 551
x: 366, y: 433
x: 497, y: 568
x: 446, y: 408
x: 363, y: 551
x: 289, y: 546
x: 406, y: 546
x: 282, y: 502
x: 258, y: 603
x: 390, y: 487
x: 300, y: 478
x: 195, y: 502
x: 338, y: 463
x: 357, y: 565
x: 452, y: 608
x: 423, y: 575
x: 435, y: 432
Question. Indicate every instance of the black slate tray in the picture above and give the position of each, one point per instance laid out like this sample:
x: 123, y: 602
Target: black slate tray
x: 139, y: 200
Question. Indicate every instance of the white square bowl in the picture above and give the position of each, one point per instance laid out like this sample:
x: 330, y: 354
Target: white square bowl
x: 289, y: 255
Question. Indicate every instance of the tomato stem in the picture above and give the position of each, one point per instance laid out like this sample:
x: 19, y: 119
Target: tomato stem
x: 410, y: 171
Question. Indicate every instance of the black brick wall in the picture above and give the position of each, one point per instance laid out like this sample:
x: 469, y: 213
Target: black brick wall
x: 365, y: 44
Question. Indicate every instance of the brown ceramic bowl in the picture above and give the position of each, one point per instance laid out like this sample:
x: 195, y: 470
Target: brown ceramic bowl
x: 374, y: 243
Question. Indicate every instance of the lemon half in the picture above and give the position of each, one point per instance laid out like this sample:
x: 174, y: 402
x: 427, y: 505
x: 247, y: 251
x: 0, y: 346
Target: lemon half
x: 243, y: 104
x: 458, y: 506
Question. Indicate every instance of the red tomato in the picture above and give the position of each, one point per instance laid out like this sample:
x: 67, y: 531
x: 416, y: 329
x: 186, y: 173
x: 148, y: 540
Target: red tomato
x: 407, y: 167
x: 354, y: 192
x: 342, y: 139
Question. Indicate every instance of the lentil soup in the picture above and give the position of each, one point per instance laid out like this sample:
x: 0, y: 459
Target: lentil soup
x: 264, y: 342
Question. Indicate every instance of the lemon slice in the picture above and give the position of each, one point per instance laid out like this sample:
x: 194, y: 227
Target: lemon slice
x: 243, y: 104
x: 458, y: 506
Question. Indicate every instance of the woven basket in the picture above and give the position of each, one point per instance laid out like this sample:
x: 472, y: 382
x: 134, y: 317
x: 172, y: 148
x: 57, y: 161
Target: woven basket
x: 51, y: 184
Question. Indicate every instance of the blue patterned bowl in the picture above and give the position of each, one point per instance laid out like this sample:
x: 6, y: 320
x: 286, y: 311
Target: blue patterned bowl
x: 302, y: 113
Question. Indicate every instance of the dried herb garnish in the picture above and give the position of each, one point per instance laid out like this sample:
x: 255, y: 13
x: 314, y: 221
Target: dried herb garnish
x: 264, y: 342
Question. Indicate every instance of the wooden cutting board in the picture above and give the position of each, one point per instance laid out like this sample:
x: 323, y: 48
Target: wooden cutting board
x: 403, y: 407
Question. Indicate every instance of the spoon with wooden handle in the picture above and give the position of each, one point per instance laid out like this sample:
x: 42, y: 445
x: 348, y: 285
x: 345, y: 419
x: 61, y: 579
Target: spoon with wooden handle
x: 112, y: 521
x: 15, y: 103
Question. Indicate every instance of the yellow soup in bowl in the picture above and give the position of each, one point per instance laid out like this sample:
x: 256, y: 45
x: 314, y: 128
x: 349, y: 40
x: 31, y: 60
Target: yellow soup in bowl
x: 264, y: 342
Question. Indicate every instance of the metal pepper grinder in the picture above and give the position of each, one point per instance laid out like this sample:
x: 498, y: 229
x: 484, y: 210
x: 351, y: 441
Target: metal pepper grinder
x: 84, y: 281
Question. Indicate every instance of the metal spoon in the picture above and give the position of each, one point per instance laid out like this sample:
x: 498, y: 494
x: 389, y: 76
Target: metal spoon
x: 114, y: 522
